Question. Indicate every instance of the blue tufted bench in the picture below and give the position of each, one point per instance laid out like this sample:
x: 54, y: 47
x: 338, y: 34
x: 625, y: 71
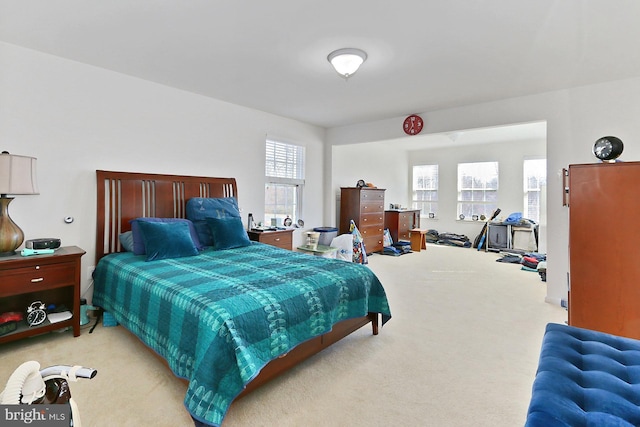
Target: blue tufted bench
x: 585, y: 378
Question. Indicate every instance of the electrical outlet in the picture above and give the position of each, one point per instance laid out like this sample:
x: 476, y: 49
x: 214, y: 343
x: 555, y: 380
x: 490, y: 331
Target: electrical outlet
x: 90, y: 272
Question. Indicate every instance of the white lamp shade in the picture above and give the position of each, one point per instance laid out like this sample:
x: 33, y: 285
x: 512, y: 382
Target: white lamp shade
x: 347, y: 61
x: 17, y: 174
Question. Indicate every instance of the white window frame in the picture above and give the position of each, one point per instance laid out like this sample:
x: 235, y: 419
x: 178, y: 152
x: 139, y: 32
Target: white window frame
x: 284, y: 168
x: 534, y: 172
x: 425, y: 182
x: 485, y: 177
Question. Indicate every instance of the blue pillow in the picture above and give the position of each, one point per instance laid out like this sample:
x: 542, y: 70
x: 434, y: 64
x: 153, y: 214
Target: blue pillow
x: 138, y: 242
x: 126, y: 241
x: 200, y: 208
x: 164, y: 240
x: 228, y: 233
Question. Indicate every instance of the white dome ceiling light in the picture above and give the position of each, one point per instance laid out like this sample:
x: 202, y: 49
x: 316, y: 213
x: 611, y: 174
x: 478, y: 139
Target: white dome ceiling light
x: 347, y: 61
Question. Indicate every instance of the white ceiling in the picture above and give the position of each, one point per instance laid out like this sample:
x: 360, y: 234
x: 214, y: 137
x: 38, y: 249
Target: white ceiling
x: 424, y: 55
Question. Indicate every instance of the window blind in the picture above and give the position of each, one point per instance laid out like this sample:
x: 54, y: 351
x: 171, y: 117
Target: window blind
x: 284, y: 161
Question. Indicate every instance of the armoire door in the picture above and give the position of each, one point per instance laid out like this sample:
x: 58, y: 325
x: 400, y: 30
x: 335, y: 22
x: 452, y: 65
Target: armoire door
x: 604, y: 236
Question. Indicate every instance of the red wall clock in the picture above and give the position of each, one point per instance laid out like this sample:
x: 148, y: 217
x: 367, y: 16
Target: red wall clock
x: 413, y: 124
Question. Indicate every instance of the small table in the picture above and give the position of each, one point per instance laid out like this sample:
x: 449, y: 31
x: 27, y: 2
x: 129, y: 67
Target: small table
x: 320, y: 250
x: 418, y: 239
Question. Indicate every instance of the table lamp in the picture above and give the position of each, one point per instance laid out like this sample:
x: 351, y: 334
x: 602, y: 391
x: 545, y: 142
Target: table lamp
x: 17, y: 177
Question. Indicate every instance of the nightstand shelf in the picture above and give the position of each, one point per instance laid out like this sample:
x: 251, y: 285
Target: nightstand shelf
x: 51, y: 278
x: 320, y: 250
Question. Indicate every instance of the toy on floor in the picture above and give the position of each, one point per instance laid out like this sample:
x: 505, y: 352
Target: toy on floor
x: 29, y: 385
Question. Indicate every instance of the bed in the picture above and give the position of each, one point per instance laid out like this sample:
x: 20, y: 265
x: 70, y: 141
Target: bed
x: 225, y: 318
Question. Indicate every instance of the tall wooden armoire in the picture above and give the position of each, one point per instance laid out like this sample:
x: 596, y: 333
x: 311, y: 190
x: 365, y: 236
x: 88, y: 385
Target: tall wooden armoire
x: 365, y: 206
x: 604, y: 241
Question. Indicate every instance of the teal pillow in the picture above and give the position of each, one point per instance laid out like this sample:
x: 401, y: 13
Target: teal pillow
x: 164, y: 240
x: 228, y: 233
x: 138, y: 242
x: 198, y: 209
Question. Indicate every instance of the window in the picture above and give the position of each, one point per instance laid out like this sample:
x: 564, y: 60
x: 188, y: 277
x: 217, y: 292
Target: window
x: 284, y: 171
x: 477, y: 189
x: 535, y: 175
x: 425, y: 189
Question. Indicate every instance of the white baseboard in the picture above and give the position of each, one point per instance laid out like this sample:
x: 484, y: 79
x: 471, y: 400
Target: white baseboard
x: 554, y: 301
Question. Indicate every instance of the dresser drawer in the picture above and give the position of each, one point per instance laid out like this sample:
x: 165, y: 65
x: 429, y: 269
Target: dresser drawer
x: 372, y: 195
x: 372, y: 244
x: 372, y: 230
x: 405, y: 221
x: 33, y: 278
x: 372, y: 206
x: 371, y: 219
x: 404, y: 235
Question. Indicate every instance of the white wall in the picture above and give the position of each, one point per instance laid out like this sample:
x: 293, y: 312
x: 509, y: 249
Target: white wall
x: 76, y: 118
x: 391, y: 166
x: 384, y: 166
x: 575, y: 119
x: 510, y: 157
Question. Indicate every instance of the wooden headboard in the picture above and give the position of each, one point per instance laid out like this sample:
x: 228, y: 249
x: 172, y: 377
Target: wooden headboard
x: 123, y: 196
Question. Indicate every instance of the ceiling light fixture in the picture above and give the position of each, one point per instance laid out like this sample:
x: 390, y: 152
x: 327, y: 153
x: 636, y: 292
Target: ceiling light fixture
x: 347, y: 61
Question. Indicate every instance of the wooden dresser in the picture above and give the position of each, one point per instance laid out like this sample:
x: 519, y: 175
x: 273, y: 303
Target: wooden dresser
x: 399, y: 222
x: 365, y: 206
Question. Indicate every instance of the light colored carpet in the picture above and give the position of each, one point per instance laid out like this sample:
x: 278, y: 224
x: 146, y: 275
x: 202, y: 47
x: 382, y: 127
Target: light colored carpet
x: 461, y: 350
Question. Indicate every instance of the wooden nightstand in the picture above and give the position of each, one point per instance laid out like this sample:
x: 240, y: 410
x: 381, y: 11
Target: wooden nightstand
x: 50, y: 278
x: 280, y: 238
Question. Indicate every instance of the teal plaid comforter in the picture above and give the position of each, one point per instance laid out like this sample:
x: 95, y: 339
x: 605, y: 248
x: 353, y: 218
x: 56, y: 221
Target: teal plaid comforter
x: 218, y: 318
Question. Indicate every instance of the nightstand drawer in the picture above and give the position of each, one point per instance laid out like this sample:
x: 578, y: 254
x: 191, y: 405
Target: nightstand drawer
x: 36, y: 277
x: 281, y: 240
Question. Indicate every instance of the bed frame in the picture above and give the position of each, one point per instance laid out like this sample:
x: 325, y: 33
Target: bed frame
x: 123, y: 196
